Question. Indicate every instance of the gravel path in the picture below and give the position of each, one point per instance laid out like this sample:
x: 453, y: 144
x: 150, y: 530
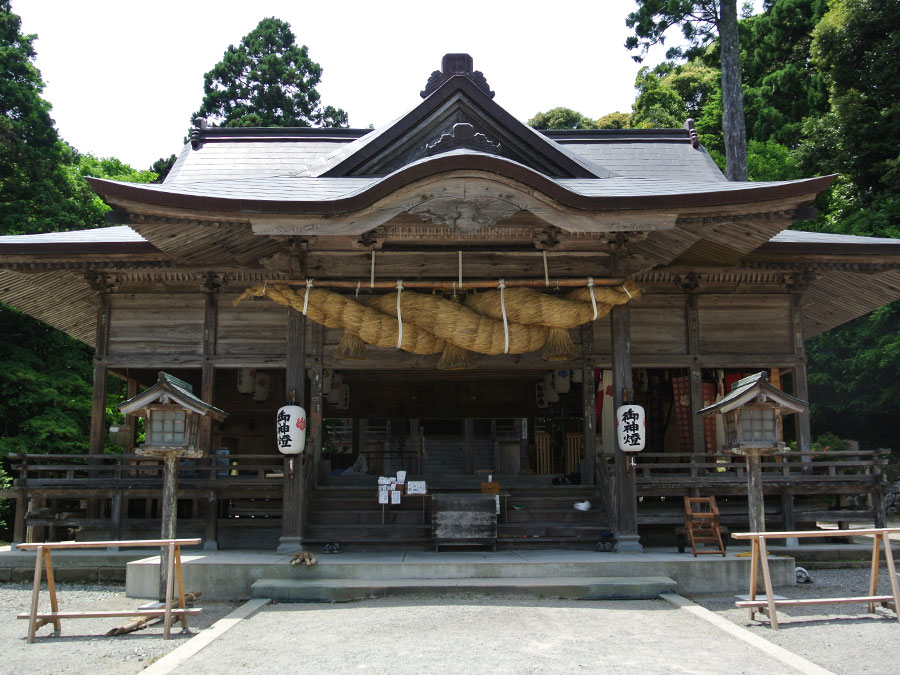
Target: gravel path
x: 452, y: 633
x: 82, y: 647
x: 842, y: 638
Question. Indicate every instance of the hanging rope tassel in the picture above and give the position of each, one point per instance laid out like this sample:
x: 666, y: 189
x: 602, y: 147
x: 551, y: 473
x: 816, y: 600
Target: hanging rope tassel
x: 399, y: 317
x: 309, y: 284
x: 546, y: 272
x: 454, y: 357
x: 372, y: 273
x: 459, y: 263
x: 502, y: 287
x: 593, y: 299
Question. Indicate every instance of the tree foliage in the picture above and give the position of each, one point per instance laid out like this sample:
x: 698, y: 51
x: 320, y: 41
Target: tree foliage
x: 267, y: 81
x: 561, y: 118
x: 700, y: 22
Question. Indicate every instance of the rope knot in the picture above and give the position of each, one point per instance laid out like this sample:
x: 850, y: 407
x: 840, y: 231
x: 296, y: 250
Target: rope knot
x: 309, y: 284
x: 590, y: 284
x: 502, y: 286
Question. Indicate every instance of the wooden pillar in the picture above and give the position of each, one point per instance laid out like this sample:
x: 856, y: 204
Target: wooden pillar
x: 292, y: 495
x: 19, y: 518
x: 627, y: 538
x: 98, y: 402
x: 115, y: 516
x: 469, y: 426
x: 317, y: 400
x: 169, y: 507
x: 755, y: 501
x: 588, y: 405
x: 211, y: 519
x: 698, y: 439
x: 801, y: 388
x: 207, y: 386
x: 788, y: 523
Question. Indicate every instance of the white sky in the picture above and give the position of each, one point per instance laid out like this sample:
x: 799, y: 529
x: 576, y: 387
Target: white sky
x: 124, y: 76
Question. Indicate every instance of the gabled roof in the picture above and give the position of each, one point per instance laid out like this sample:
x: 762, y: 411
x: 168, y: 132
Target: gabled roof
x: 170, y: 389
x: 755, y: 386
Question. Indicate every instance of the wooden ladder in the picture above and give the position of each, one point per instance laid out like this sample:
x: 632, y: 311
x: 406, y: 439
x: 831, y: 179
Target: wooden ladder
x: 701, y: 524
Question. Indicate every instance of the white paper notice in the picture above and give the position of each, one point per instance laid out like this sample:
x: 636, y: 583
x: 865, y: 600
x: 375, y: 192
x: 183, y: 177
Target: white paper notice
x: 395, y: 497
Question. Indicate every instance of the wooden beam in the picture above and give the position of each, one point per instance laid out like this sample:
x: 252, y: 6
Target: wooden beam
x: 801, y: 388
x: 626, y: 493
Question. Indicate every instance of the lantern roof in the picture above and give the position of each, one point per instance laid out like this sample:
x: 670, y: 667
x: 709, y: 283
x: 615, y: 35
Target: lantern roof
x: 752, y: 389
x: 170, y: 389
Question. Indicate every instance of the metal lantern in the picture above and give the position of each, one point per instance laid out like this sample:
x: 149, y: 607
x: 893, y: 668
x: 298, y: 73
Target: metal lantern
x: 290, y: 429
x: 751, y: 414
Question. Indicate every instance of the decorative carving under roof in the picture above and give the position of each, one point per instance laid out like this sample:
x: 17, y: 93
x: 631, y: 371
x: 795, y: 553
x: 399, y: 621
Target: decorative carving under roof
x: 462, y: 136
x: 456, y: 64
x: 465, y: 215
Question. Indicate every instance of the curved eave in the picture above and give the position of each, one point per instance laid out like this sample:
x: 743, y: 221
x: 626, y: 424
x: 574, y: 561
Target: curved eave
x: 747, y: 193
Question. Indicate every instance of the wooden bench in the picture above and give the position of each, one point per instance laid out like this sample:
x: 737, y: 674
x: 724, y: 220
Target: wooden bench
x: 759, y: 557
x: 37, y: 619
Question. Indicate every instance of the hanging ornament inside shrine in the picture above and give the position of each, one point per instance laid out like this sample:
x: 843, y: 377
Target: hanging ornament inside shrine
x: 290, y: 429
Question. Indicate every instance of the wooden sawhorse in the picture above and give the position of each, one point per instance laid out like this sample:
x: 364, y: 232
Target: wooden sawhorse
x: 37, y: 619
x: 759, y: 557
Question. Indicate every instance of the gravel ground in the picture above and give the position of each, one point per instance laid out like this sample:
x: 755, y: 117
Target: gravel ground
x: 82, y: 647
x: 845, y: 639
x: 464, y: 632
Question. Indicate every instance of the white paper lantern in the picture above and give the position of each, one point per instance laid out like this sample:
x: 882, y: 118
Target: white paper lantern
x: 290, y: 429
x: 631, y: 427
x: 561, y: 381
x: 577, y: 375
x: 327, y: 381
x: 246, y: 380
x: 261, y: 387
x: 344, y: 402
x: 550, y: 394
x: 336, y: 395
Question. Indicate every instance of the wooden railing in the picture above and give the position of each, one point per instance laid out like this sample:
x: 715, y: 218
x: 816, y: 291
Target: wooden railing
x: 861, y: 466
x: 36, y: 471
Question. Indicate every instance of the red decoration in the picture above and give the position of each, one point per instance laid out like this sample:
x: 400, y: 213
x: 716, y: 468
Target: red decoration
x: 301, y: 423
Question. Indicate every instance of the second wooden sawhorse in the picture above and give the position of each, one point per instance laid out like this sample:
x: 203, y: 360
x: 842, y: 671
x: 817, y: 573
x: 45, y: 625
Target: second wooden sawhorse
x: 759, y: 559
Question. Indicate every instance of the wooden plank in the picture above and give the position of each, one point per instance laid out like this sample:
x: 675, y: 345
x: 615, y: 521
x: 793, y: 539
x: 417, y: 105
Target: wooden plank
x: 658, y: 325
x: 588, y: 408
x: 815, y: 533
x: 145, y: 543
x: 805, y: 602
x: 101, y: 614
x: 745, y: 323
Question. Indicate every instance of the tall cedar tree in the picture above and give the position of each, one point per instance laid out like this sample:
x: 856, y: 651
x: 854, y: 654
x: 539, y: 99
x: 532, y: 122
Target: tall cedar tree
x: 699, y: 22
x: 267, y: 81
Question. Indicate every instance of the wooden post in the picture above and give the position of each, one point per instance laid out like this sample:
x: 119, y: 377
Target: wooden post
x: 207, y: 387
x: 755, y: 502
x: 788, y: 523
x: 469, y: 425
x: 698, y: 439
x: 316, y: 402
x: 627, y: 538
x: 211, y: 515
x: 801, y: 389
x: 169, y: 507
x: 292, y: 499
x: 98, y: 400
x: 19, y: 518
x: 588, y: 405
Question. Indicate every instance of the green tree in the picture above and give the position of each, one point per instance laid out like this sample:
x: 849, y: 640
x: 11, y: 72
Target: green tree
x: 615, y: 120
x: 34, y: 186
x: 162, y: 167
x: 671, y: 93
x: 700, y: 22
x: 561, y: 118
x: 267, y: 80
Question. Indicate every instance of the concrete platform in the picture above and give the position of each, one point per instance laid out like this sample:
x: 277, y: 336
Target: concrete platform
x: 232, y: 574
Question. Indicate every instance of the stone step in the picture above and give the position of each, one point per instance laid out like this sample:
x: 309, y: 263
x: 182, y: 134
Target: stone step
x: 345, y: 590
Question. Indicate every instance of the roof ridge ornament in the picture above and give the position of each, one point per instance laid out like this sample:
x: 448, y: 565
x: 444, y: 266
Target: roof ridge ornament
x: 462, y: 135
x: 200, y: 125
x: 456, y: 64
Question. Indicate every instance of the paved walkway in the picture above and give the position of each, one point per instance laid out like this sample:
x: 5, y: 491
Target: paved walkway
x: 475, y: 634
